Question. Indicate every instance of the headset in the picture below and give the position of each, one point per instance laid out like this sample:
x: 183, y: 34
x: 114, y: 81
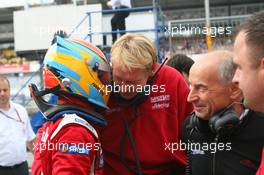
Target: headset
x: 222, y: 123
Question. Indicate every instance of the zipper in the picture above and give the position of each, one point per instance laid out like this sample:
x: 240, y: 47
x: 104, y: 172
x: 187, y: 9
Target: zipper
x: 214, y: 156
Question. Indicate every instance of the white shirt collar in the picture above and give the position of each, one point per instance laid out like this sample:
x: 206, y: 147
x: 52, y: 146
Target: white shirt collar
x: 11, y: 108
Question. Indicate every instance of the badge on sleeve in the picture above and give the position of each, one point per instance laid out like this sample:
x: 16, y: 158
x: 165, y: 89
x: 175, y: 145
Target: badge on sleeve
x: 74, y: 149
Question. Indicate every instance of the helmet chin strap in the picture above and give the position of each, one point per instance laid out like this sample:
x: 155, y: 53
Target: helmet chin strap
x: 37, y: 96
x: 54, y: 111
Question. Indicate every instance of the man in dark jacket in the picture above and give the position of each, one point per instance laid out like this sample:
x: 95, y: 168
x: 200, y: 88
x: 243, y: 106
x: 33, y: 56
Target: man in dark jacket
x: 221, y: 136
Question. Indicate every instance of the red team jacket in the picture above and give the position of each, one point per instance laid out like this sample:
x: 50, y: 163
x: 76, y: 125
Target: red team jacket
x: 67, y: 146
x: 156, y: 130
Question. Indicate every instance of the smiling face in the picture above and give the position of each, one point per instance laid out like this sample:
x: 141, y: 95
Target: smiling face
x: 209, y: 93
x: 249, y: 76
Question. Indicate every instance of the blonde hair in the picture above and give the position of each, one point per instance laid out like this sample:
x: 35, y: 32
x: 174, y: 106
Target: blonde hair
x: 134, y: 51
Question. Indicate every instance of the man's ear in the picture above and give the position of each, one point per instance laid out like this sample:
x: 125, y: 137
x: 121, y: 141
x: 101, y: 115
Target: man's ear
x: 262, y: 63
x: 261, y: 69
x: 236, y: 93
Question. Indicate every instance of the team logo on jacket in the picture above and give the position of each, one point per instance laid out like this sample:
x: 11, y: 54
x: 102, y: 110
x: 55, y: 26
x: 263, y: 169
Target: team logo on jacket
x: 74, y: 149
x: 161, y: 101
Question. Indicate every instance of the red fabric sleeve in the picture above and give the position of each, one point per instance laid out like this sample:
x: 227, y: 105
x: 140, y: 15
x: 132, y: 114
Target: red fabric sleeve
x: 67, y: 162
x: 36, y: 166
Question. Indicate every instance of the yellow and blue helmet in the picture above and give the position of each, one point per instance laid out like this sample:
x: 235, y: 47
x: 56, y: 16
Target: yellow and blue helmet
x: 79, y: 68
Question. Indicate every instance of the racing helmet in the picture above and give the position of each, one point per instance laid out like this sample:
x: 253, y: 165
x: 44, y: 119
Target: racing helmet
x: 77, y: 70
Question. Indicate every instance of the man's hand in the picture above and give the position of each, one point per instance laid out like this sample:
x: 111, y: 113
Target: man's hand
x: 30, y: 145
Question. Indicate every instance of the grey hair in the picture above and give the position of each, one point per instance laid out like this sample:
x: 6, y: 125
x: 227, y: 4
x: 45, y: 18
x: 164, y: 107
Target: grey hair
x: 227, y: 70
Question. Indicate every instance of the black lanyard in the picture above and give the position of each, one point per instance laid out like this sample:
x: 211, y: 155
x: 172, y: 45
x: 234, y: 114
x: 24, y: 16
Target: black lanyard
x: 138, y: 170
x: 17, y: 120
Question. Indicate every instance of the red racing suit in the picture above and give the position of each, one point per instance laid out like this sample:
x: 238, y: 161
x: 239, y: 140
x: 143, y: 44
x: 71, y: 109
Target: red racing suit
x: 261, y: 167
x: 67, y: 146
x: 156, y: 130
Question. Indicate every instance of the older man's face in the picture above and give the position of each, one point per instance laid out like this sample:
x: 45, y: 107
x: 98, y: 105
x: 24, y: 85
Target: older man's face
x: 249, y: 77
x: 207, y: 93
